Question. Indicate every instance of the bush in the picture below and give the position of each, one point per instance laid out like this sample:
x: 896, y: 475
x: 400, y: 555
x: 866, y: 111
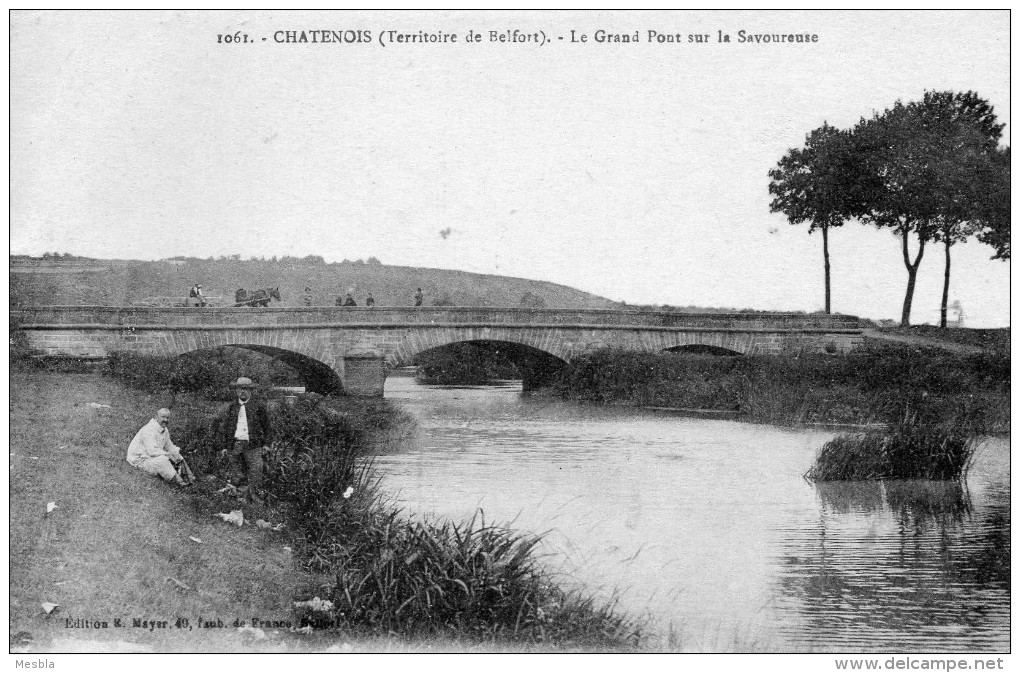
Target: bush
x: 862, y: 387
x: 920, y: 446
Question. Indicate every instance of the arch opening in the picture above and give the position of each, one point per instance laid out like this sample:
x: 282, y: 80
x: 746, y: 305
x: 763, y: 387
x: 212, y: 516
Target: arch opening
x: 276, y: 366
x: 477, y: 361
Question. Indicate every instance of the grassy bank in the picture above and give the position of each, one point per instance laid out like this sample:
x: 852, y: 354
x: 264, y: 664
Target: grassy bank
x: 118, y: 545
x: 989, y: 340
x: 875, y: 385
x: 121, y: 545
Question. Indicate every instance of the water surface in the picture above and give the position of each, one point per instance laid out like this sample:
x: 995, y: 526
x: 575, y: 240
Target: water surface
x: 707, y: 527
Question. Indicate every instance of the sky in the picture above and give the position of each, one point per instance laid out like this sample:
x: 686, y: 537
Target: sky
x: 636, y: 171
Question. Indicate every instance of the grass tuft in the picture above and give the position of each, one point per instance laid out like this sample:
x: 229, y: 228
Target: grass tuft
x: 918, y: 446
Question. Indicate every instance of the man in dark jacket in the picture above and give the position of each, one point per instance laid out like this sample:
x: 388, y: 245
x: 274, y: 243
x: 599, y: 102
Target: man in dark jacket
x: 245, y: 431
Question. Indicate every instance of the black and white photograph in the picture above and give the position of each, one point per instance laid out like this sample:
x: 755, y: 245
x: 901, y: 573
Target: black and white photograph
x: 422, y: 333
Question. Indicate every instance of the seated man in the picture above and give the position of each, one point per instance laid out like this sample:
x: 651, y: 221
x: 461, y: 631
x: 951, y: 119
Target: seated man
x: 152, y: 451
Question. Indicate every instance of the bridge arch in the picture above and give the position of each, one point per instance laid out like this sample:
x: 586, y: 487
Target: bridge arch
x: 711, y: 343
x: 517, y: 340
x: 318, y: 376
x: 537, y: 366
x: 314, y: 359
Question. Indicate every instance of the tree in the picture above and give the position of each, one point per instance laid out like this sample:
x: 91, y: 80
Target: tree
x: 925, y: 159
x: 903, y: 158
x: 993, y: 206
x: 969, y: 133
x: 818, y: 184
x: 902, y: 202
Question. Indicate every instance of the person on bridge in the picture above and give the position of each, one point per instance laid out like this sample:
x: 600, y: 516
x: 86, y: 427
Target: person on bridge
x: 245, y: 432
x: 419, y: 297
x: 370, y: 300
x: 308, y: 296
x: 153, y: 452
x: 196, y: 294
x: 349, y: 301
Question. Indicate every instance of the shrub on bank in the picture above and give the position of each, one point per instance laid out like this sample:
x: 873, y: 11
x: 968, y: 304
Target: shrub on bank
x: 863, y: 387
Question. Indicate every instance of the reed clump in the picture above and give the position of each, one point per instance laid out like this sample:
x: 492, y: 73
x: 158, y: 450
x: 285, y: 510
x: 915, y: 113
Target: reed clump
x: 431, y: 578
x: 929, y: 442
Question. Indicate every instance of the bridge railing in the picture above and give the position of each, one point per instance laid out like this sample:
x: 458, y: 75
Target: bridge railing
x: 447, y: 315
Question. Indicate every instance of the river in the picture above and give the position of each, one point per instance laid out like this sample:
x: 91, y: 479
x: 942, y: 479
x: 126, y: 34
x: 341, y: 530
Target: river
x: 707, y: 528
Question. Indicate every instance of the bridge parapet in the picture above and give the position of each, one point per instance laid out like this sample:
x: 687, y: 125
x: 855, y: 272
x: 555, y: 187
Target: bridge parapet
x: 313, y: 317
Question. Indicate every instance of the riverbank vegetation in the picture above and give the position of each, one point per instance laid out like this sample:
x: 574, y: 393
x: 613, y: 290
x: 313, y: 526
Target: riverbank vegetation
x: 876, y: 385
x: 346, y: 565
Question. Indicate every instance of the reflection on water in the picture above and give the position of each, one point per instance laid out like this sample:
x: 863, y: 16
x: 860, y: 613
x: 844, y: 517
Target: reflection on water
x: 885, y: 563
x: 708, y: 528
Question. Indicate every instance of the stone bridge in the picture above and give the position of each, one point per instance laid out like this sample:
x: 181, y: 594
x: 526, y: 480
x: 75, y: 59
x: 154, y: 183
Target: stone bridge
x: 348, y: 350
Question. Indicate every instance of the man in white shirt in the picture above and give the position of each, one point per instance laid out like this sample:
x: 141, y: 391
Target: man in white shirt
x: 153, y: 452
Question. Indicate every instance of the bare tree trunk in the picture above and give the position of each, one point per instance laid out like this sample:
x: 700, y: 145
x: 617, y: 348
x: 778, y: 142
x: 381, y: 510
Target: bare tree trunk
x: 945, y: 287
x: 911, y: 274
x: 825, y: 252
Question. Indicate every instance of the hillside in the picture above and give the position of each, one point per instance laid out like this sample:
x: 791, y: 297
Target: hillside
x: 79, y: 281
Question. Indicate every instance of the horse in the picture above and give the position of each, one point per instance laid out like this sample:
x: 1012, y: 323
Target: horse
x: 259, y: 297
